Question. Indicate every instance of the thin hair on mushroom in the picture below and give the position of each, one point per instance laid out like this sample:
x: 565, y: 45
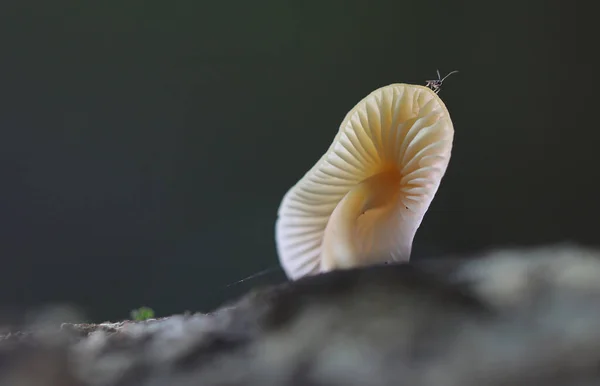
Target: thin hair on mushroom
x: 364, y: 200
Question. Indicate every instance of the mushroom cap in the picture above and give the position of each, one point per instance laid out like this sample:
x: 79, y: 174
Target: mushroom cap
x: 400, y: 128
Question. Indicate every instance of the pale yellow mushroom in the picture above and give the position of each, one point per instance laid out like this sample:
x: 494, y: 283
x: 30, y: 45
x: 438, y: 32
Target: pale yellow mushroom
x: 364, y: 200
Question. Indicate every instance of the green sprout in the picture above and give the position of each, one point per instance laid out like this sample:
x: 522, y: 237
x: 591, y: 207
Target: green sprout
x: 142, y: 313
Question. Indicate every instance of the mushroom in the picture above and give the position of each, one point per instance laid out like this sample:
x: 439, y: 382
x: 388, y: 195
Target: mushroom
x: 363, y: 202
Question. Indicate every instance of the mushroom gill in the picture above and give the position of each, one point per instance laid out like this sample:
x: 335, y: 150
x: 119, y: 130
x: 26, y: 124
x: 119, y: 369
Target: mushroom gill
x: 364, y: 200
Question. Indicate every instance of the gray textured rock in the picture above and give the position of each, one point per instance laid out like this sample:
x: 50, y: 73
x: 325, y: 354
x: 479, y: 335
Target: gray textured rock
x: 511, y: 317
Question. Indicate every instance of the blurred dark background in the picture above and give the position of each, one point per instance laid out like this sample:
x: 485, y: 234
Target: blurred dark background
x: 145, y: 146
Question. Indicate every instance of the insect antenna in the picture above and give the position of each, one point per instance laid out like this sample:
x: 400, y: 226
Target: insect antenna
x: 450, y: 73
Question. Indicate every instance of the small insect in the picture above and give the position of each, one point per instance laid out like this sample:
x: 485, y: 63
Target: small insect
x: 436, y: 84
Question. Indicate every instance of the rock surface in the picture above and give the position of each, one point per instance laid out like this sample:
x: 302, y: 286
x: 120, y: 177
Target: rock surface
x: 511, y: 317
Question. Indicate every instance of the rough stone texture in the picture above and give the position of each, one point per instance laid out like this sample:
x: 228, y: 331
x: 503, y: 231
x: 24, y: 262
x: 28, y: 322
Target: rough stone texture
x: 512, y: 317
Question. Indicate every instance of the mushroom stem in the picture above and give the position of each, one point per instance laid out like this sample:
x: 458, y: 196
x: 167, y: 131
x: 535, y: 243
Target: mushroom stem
x: 340, y: 248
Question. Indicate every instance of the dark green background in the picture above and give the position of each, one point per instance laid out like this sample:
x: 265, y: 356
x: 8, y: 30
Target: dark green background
x: 145, y: 146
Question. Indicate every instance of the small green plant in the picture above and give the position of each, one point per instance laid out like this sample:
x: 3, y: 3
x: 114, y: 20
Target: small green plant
x: 142, y: 313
